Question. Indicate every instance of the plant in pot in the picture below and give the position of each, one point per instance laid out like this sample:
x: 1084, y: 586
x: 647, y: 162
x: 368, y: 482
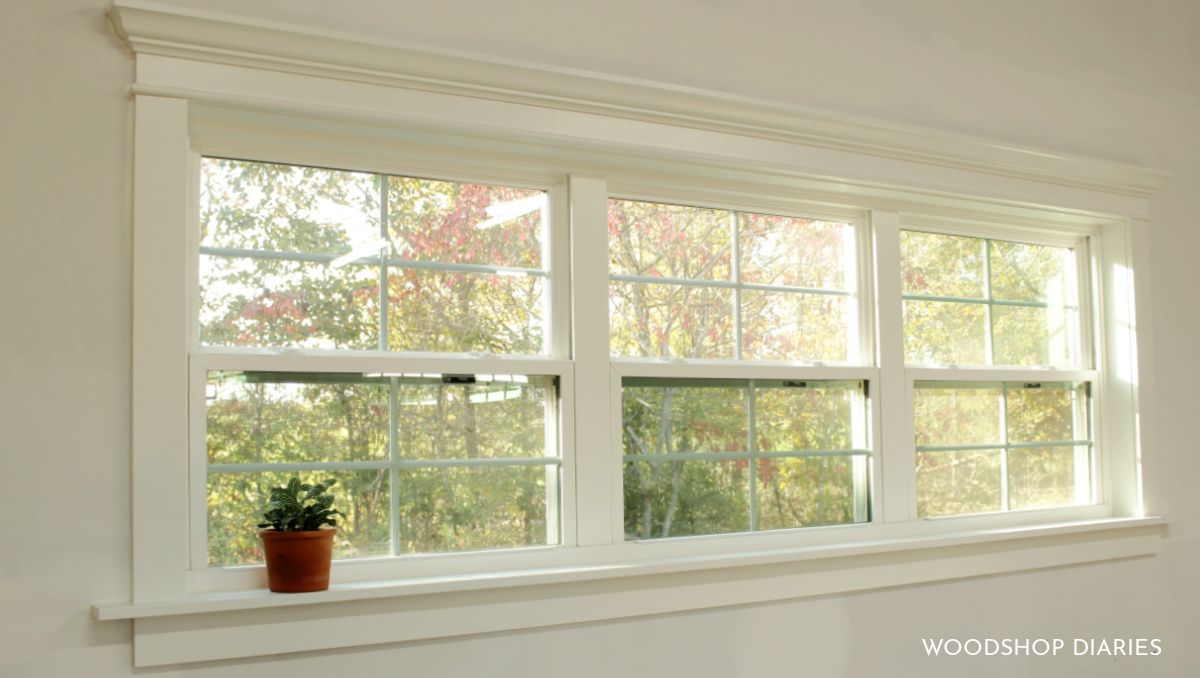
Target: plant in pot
x: 298, y: 546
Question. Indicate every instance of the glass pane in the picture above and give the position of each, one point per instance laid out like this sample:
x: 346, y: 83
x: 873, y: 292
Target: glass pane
x: 671, y: 241
x: 255, y: 419
x: 954, y: 483
x: 465, y: 223
x: 958, y: 416
x: 1037, y: 415
x: 676, y: 321
x: 1034, y: 336
x: 1044, y: 476
x: 271, y: 302
x: 1023, y: 272
x: 798, y: 419
x: 462, y: 312
x: 805, y: 491
x: 664, y: 420
x: 236, y: 502
x: 795, y: 252
x: 945, y: 332
x: 678, y: 498
x: 942, y: 265
x: 285, y: 208
x: 473, y: 508
x: 794, y: 326
x: 486, y: 420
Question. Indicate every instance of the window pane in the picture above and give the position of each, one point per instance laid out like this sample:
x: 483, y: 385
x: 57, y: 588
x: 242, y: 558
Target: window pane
x: 812, y: 418
x: 1034, y: 336
x: 958, y: 482
x: 236, y: 502
x: 285, y: 208
x: 795, y: 252
x: 942, y: 265
x: 958, y: 416
x: 806, y: 491
x: 690, y: 461
x: 1037, y: 415
x: 669, y: 419
x: 671, y: 241
x: 485, y: 420
x: 465, y: 223
x: 270, y: 302
x: 1043, y: 476
x: 468, y: 509
x: 676, y: 321
x: 1023, y: 425
x: 678, y: 498
x: 794, y: 326
x: 1023, y: 272
x: 462, y: 312
x: 256, y: 418
x: 945, y: 332
x: 463, y: 454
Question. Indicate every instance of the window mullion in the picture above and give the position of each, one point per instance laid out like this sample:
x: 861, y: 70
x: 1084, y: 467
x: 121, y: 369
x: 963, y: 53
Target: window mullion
x: 736, y: 266
x: 752, y: 449
x: 599, y: 498
x: 892, y: 401
x: 384, y: 183
x: 394, y: 462
x: 989, y: 347
x: 1005, y: 501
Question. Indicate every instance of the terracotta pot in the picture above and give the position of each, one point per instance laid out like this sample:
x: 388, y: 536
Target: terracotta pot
x: 298, y: 561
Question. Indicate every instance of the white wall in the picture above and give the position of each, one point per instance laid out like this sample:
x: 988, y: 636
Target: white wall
x: 1106, y: 78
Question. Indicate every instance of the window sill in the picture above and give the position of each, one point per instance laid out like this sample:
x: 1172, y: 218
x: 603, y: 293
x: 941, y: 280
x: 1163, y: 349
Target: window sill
x: 209, y: 626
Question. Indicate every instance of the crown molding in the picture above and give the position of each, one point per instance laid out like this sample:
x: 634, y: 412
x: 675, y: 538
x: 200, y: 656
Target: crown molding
x: 155, y: 29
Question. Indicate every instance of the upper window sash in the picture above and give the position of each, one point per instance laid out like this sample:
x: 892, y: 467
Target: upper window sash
x: 305, y: 257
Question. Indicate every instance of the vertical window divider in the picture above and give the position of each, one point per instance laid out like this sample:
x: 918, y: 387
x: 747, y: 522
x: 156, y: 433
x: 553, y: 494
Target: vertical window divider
x: 734, y: 227
x: 1005, y: 502
x: 599, y: 516
x: 394, y: 461
x: 384, y: 185
x: 752, y: 448
x: 989, y: 348
x: 893, y: 398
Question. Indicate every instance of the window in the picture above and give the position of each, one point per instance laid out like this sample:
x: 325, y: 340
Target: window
x: 1001, y: 446
x: 323, y: 265
x: 382, y: 225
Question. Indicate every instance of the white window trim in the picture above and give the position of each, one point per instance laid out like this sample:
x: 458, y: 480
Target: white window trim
x: 254, y: 85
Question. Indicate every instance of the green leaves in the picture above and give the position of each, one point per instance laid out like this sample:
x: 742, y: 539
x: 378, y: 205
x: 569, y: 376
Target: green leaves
x: 299, y: 507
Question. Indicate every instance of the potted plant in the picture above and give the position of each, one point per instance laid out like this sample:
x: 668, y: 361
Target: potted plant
x: 299, y: 547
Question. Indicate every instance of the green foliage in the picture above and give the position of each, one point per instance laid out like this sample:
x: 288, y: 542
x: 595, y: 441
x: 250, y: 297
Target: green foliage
x: 300, y: 507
